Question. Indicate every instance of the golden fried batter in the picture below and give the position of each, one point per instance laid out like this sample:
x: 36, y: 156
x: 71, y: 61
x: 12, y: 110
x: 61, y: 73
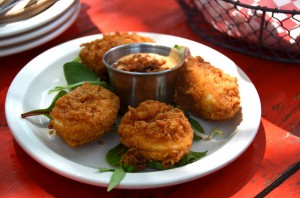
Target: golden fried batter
x: 155, y: 131
x: 84, y: 114
x: 206, y: 91
x: 92, y: 52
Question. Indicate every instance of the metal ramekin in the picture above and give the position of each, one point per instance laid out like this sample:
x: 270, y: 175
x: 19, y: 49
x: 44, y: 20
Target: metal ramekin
x: 136, y: 87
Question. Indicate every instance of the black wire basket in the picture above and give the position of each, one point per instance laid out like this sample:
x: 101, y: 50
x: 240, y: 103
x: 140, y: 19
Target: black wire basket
x: 263, y: 33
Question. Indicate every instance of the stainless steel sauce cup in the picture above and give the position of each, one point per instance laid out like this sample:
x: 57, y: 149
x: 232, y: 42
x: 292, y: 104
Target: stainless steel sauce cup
x: 136, y: 87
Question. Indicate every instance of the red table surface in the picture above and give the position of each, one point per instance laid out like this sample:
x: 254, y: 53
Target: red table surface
x: 275, y: 148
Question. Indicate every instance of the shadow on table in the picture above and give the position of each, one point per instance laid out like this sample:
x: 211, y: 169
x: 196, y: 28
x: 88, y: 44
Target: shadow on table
x: 234, y: 177
x: 56, y: 185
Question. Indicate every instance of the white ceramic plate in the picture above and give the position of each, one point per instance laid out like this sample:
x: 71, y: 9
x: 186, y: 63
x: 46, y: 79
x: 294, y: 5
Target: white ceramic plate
x: 39, y: 31
x: 44, y: 17
x: 39, y: 40
x: 29, y: 90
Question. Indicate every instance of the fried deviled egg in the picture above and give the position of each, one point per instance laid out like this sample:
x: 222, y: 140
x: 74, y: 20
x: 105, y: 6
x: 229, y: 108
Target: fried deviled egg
x: 155, y: 131
x: 207, y: 91
x: 84, y: 114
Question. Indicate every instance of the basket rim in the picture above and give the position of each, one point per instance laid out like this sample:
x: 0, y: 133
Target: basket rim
x: 196, y: 20
x: 262, y: 8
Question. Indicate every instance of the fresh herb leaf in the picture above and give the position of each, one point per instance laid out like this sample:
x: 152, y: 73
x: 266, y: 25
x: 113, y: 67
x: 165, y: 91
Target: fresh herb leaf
x: 192, y: 156
x: 197, y: 137
x: 157, y: 165
x: 196, y: 126
x: 46, y: 111
x: 76, y: 72
x: 129, y: 168
x: 103, y: 170
x: 214, y: 132
x: 199, y: 131
x: 183, y: 49
x: 116, y: 178
x: 77, y: 59
x: 73, y: 86
x: 114, y: 156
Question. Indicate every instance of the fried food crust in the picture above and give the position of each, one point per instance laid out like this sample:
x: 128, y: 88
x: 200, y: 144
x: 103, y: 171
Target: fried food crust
x: 206, y: 91
x: 84, y: 114
x: 92, y: 53
x: 155, y: 131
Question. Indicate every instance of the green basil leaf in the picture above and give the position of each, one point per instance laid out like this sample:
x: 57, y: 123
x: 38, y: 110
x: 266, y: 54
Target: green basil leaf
x: 196, y: 125
x: 215, y: 131
x: 60, y: 94
x: 76, y: 72
x: 103, y: 170
x: 191, y: 157
x: 46, y: 111
x: 184, y: 50
x: 116, y: 178
x: 77, y: 59
x: 197, y: 137
x: 156, y: 165
x: 129, y: 168
x: 73, y: 86
x: 114, y: 156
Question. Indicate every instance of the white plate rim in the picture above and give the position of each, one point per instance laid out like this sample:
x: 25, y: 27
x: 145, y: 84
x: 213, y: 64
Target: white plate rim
x: 44, y: 17
x: 240, y: 140
x: 37, y: 41
x: 37, y: 32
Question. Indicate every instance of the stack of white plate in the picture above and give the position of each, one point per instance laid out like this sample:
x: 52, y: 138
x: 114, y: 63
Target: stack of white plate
x: 26, y: 34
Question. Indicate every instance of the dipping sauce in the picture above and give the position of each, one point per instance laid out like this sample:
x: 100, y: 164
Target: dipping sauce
x: 146, y: 62
x: 143, y: 71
